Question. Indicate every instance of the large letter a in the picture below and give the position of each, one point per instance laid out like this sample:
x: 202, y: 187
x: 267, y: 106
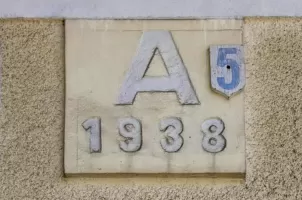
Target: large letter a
x: 178, y: 80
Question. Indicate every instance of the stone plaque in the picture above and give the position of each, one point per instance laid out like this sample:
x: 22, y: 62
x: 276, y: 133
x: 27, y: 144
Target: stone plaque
x: 154, y: 96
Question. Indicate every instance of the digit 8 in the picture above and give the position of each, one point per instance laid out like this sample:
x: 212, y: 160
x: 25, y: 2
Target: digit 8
x: 213, y: 141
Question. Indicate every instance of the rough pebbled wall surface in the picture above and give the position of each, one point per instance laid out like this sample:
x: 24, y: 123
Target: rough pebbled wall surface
x: 32, y: 121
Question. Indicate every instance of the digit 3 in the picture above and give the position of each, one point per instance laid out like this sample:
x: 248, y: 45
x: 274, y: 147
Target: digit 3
x: 172, y: 140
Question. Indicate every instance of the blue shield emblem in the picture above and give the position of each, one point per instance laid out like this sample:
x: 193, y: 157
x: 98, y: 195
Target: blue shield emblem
x: 227, y: 69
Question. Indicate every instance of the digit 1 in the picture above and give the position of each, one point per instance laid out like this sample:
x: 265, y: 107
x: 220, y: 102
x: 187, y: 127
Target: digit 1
x: 131, y: 129
x: 172, y: 140
x: 94, y: 127
x: 213, y: 141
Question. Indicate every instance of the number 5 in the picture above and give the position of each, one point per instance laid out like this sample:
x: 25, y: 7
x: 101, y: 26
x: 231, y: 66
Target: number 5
x: 227, y: 69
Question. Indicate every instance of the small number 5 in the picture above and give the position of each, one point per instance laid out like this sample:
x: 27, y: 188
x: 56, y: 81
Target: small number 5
x: 227, y: 69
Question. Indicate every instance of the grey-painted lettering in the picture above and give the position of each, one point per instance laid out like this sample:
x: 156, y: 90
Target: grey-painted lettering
x: 172, y: 140
x: 94, y: 127
x: 213, y: 141
x: 131, y: 129
x: 178, y: 80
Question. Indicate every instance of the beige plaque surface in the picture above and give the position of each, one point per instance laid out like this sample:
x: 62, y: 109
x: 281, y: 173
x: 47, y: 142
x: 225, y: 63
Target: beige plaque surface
x: 99, y: 56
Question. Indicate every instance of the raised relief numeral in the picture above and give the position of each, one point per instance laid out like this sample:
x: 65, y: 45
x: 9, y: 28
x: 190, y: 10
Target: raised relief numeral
x: 172, y: 128
x: 178, y: 80
x: 213, y: 141
x: 227, y: 69
x: 93, y: 125
x: 131, y: 130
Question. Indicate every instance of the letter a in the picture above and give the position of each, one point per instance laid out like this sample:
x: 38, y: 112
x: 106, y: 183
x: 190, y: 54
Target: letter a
x: 178, y: 80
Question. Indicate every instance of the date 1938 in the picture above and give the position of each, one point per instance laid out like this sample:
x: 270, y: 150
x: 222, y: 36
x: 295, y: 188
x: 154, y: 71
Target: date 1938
x: 130, y: 129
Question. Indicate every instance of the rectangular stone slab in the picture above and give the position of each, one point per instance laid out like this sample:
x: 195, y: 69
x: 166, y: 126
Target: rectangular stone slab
x: 110, y: 79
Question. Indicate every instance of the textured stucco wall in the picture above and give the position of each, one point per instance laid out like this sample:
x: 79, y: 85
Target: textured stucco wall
x: 32, y: 121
